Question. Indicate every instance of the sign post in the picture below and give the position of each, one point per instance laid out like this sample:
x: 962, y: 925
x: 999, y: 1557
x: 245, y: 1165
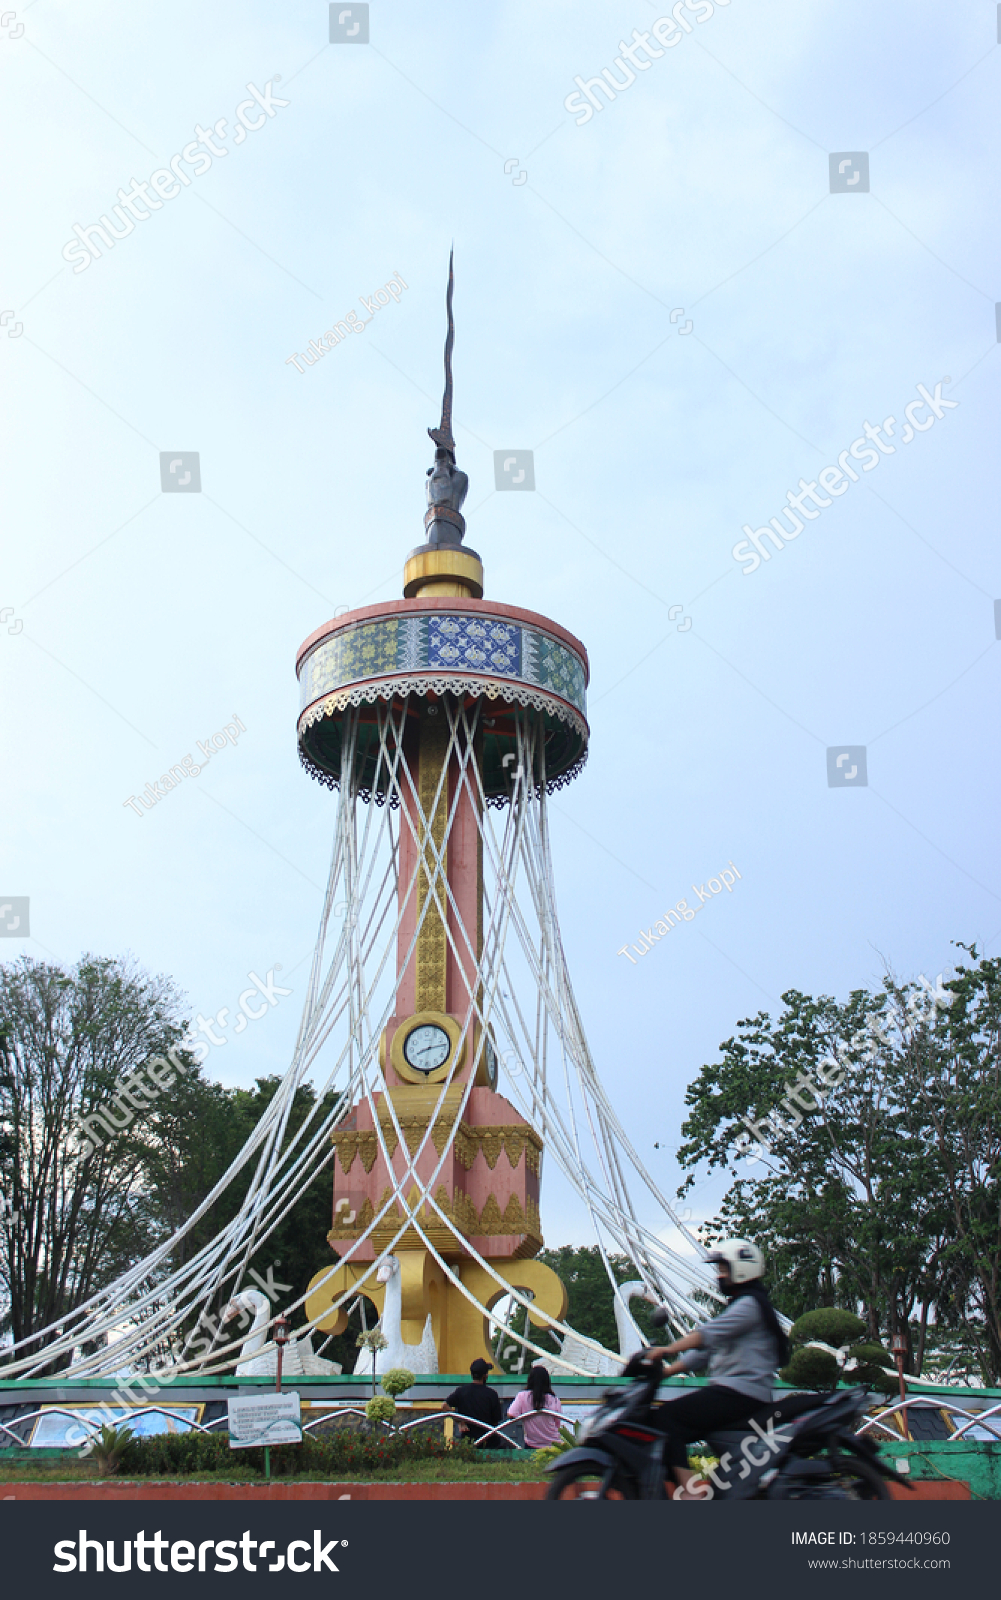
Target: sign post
x: 256, y: 1420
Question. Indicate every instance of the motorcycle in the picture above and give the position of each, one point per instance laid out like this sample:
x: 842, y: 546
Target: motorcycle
x: 803, y: 1447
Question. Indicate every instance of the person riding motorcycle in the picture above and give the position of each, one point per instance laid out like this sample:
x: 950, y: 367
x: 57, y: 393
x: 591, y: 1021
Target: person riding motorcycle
x: 742, y: 1348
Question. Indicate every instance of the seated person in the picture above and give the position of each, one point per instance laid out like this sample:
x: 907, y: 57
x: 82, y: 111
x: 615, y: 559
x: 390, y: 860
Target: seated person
x: 538, y: 1396
x: 477, y: 1400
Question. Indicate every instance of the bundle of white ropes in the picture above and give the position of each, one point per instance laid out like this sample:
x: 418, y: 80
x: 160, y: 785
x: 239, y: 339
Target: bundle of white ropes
x: 149, y: 1316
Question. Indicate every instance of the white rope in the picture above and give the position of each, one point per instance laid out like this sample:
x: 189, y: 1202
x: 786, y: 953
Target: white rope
x: 351, y: 993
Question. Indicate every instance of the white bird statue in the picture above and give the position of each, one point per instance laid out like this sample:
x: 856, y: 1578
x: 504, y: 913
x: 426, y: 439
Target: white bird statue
x: 604, y: 1365
x: 298, y: 1360
x: 421, y: 1357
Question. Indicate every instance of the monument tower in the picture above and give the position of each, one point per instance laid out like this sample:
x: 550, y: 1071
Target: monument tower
x: 463, y: 685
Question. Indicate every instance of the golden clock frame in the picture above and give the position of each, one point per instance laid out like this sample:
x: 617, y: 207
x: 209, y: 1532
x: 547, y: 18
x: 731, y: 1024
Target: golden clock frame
x: 420, y: 1019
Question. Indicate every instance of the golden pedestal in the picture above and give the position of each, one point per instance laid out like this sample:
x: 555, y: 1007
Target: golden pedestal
x: 461, y: 1331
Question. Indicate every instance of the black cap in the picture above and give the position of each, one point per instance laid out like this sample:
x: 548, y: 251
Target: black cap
x: 479, y: 1368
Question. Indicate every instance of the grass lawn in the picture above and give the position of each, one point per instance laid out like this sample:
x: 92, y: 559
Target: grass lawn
x: 526, y: 1471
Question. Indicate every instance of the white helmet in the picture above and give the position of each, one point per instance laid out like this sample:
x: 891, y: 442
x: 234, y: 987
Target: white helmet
x: 742, y: 1259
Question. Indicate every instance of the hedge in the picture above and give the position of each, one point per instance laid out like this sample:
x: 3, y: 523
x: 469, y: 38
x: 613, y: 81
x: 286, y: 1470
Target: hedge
x: 342, y: 1450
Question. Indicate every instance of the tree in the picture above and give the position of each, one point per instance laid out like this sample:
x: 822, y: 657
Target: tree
x: 951, y: 1070
x: 207, y: 1129
x: 102, y: 1160
x: 876, y: 1130
x: 590, y: 1302
x: 76, y: 1215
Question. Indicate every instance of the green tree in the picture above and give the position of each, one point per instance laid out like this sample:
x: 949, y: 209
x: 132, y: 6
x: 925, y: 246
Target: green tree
x: 81, y: 1207
x: 590, y: 1308
x: 951, y: 1073
x: 76, y: 1215
x: 864, y: 1141
x: 199, y: 1136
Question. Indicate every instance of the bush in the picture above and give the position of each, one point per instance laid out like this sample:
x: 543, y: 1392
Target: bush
x: 109, y: 1447
x: 340, y: 1451
x: 552, y: 1452
x: 828, y: 1324
x: 872, y: 1360
x: 812, y: 1369
x: 870, y: 1354
x: 397, y: 1381
x: 380, y: 1409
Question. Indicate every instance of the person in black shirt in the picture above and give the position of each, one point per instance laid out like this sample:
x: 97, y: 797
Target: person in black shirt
x: 476, y: 1399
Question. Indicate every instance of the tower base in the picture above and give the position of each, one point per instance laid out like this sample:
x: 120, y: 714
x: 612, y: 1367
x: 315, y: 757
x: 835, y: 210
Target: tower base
x: 461, y: 1331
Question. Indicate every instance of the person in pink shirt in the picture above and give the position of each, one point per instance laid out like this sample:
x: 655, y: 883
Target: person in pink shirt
x: 538, y: 1396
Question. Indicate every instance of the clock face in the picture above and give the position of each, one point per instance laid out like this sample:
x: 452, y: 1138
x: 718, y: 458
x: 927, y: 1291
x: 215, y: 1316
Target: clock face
x: 427, y: 1047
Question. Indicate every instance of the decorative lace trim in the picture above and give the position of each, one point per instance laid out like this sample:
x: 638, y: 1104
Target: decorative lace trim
x: 388, y: 689
x: 495, y: 801
x: 492, y: 688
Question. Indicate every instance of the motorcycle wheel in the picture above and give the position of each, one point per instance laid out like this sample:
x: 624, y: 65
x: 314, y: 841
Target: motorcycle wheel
x: 583, y: 1482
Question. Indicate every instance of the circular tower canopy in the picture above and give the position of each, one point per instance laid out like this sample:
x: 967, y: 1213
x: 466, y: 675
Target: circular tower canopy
x: 434, y: 645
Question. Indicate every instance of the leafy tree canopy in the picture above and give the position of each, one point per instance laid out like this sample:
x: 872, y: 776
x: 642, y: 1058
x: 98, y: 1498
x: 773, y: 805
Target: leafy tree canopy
x: 864, y: 1143
x: 84, y: 1204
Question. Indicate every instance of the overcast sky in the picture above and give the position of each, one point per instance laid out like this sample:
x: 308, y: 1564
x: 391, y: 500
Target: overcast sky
x: 143, y: 621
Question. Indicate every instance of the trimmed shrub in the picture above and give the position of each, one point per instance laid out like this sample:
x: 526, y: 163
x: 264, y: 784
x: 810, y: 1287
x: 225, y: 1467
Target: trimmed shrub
x: 872, y: 1359
x: 397, y: 1381
x: 812, y: 1369
x: 872, y: 1354
x: 830, y: 1325
x: 380, y: 1409
x: 340, y: 1451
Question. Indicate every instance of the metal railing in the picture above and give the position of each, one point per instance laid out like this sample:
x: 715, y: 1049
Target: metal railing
x: 88, y: 1422
x: 444, y: 1416
x: 974, y: 1419
x: 328, y: 1416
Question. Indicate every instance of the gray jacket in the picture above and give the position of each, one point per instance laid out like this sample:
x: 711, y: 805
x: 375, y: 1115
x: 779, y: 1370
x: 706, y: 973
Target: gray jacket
x: 738, y: 1350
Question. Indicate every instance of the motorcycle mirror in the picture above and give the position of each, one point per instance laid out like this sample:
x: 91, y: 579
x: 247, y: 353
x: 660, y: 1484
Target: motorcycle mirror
x: 658, y: 1317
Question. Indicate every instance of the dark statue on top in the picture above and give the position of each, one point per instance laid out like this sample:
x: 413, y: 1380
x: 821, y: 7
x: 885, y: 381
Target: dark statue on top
x: 446, y: 485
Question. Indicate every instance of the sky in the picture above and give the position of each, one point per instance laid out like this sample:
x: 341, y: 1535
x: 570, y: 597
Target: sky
x: 681, y: 306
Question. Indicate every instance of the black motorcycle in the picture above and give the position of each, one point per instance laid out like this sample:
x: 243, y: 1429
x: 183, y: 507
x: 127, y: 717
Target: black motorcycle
x: 804, y: 1447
